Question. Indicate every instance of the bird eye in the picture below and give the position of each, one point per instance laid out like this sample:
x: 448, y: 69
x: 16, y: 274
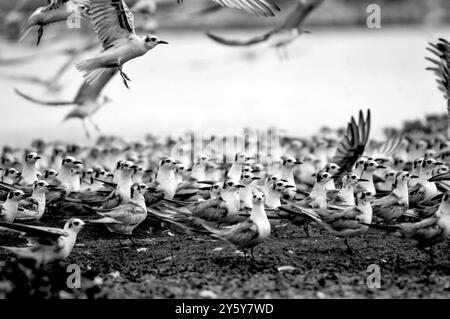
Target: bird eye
x: 153, y: 39
x: 76, y: 223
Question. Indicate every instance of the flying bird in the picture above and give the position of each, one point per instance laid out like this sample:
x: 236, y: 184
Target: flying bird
x: 54, y: 11
x: 282, y: 35
x: 87, y: 101
x: 114, y: 24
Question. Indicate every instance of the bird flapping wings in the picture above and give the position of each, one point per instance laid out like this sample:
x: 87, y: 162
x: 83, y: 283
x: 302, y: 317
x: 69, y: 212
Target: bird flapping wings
x: 389, y: 147
x: 353, y: 144
x: 441, y: 65
x: 293, y: 21
x: 264, y: 8
x: 112, y: 20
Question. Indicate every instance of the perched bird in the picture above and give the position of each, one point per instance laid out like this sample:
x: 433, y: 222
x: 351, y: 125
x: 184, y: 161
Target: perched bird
x: 87, y: 101
x: 396, y: 203
x: 114, y: 24
x: 30, y: 169
x: 249, y: 233
x: 50, y: 244
x: 123, y: 219
x: 33, y: 207
x: 428, y: 231
x: 9, y: 208
x: 347, y: 222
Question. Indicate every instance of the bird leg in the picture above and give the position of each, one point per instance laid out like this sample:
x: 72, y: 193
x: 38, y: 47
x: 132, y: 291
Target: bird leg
x: 349, y: 249
x: 131, y: 238
x: 306, y: 229
x: 125, y: 77
x: 86, y: 130
x: 40, y: 33
x: 251, y: 252
x: 97, y: 128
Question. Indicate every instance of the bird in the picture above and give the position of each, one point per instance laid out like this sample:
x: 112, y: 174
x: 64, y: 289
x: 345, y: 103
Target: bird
x: 9, y: 208
x: 54, y: 11
x: 114, y: 25
x: 50, y: 244
x: 249, y: 233
x: 30, y: 169
x: 87, y: 101
x: 284, y: 34
x: 426, y: 232
x: 33, y: 207
x: 396, y: 203
x: 346, y: 222
x: 124, y: 218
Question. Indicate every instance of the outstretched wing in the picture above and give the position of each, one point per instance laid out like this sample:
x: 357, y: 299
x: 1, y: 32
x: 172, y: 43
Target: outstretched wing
x: 247, y: 42
x: 259, y: 7
x: 389, y: 147
x: 442, y: 65
x: 112, y: 20
x: 42, y: 102
x: 354, y: 143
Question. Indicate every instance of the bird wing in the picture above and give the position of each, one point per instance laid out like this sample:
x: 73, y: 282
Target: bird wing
x: 259, y: 7
x: 41, y: 234
x: 41, y: 102
x: 92, y: 91
x: 389, y: 147
x: 300, y: 12
x: 125, y: 214
x: 28, y: 204
x: 354, y: 143
x: 234, y: 42
x: 441, y: 66
x: 385, y: 201
x: 112, y: 20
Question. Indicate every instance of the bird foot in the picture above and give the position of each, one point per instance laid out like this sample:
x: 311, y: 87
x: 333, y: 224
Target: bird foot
x: 40, y: 33
x: 125, y: 78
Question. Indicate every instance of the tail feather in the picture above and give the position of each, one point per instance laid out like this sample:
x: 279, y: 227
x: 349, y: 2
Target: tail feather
x: 91, y: 69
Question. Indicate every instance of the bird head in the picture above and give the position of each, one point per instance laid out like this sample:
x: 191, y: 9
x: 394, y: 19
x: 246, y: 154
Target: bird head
x: 258, y: 197
x: 74, y: 224
x: 16, y: 195
x: 152, y: 41
x: 40, y: 185
x: 290, y: 162
x: 32, y: 158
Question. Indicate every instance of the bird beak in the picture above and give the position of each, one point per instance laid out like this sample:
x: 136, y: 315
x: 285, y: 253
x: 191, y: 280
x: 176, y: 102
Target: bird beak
x: 290, y: 186
x: 438, y: 163
x: 37, y: 157
x: 78, y: 162
x: 298, y: 162
x: 256, y: 178
x: 362, y: 180
x: 381, y: 166
x: 414, y: 176
x: 240, y: 186
x: 163, y: 42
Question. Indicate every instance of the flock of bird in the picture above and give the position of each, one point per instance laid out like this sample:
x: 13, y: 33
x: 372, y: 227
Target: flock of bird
x: 337, y: 180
